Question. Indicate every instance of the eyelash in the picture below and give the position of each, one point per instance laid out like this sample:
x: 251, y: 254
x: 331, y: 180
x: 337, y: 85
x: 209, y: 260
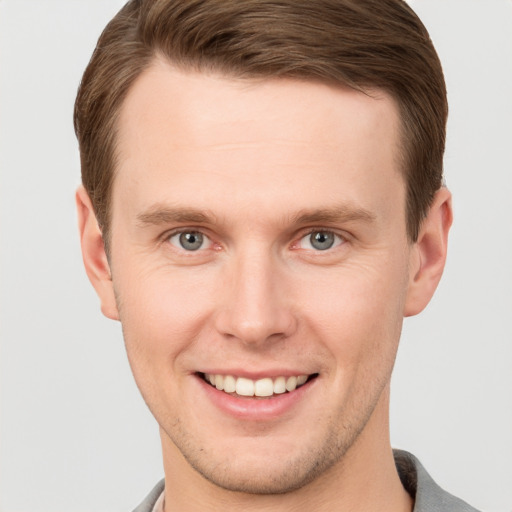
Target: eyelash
x: 338, y: 240
x: 168, y: 236
x: 341, y: 239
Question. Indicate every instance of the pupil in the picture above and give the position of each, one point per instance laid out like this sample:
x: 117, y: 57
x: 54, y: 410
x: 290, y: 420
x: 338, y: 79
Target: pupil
x: 321, y: 240
x: 191, y: 241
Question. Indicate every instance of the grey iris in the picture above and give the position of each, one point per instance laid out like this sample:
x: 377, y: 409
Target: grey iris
x: 191, y: 241
x: 321, y: 240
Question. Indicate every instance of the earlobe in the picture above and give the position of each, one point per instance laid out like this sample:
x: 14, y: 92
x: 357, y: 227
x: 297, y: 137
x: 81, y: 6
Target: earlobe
x: 428, y: 255
x: 93, y: 254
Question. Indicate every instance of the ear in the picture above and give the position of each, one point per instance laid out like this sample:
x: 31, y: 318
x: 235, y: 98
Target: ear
x: 428, y: 254
x: 94, y: 256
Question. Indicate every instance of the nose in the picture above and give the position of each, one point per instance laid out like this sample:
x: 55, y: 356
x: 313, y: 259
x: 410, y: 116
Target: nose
x: 254, y: 306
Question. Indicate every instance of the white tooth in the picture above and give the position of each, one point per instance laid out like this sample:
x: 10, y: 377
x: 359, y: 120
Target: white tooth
x: 291, y: 383
x: 229, y: 384
x: 211, y: 378
x: 279, y: 385
x: 244, y: 387
x: 219, y: 382
x: 301, y: 379
x: 264, y: 387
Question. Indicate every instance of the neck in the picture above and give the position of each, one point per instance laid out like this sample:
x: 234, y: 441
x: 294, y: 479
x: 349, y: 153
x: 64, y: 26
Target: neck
x: 365, y: 479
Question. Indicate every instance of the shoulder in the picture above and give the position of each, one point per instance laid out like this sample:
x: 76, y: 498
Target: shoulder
x: 149, y: 501
x: 429, y: 497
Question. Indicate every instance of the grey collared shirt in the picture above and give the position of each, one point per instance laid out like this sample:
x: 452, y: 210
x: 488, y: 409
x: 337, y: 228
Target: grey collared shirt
x: 428, y: 496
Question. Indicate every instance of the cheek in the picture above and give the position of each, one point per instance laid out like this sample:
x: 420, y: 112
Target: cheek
x: 357, y: 313
x: 162, y: 315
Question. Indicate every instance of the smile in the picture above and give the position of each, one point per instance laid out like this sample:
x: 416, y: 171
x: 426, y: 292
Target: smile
x: 265, y: 387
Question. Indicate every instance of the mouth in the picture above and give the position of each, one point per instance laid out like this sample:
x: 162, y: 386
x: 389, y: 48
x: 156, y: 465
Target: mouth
x: 262, y: 388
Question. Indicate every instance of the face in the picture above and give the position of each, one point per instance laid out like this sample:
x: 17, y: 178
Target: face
x: 260, y: 264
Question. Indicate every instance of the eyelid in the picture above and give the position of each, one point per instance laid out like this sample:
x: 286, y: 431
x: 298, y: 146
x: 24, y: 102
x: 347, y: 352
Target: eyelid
x: 166, y: 238
x: 342, y: 238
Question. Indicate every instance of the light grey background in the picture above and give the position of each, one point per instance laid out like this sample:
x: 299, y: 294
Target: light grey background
x: 75, y: 435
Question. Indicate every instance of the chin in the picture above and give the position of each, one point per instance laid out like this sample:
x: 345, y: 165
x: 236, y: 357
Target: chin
x: 277, y: 478
x: 261, y: 467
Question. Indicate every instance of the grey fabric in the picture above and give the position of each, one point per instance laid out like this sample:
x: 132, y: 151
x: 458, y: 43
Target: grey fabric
x: 429, y: 497
x: 150, y: 500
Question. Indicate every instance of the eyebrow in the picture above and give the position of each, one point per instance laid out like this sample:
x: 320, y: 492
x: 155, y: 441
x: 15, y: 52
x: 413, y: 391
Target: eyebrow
x: 162, y: 214
x: 159, y: 214
x: 344, y: 213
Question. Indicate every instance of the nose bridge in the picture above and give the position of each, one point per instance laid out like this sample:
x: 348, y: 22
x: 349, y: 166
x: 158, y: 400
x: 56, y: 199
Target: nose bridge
x: 255, y: 307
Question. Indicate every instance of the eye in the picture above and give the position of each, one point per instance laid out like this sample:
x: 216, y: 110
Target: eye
x: 320, y: 240
x: 190, y: 240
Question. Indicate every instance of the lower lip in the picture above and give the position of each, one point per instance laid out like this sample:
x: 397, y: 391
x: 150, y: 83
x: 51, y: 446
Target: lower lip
x: 255, y: 408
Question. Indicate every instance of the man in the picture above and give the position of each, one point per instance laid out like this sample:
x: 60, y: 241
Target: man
x: 262, y: 205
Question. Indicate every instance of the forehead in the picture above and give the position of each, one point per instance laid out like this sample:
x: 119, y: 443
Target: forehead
x: 200, y: 101
x: 277, y: 137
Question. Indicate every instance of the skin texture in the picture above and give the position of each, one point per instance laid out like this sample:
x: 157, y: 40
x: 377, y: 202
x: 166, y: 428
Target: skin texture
x: 256, y: 167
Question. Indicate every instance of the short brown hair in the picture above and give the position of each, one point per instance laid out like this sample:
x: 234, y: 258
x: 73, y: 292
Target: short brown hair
x: 363, y: 44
